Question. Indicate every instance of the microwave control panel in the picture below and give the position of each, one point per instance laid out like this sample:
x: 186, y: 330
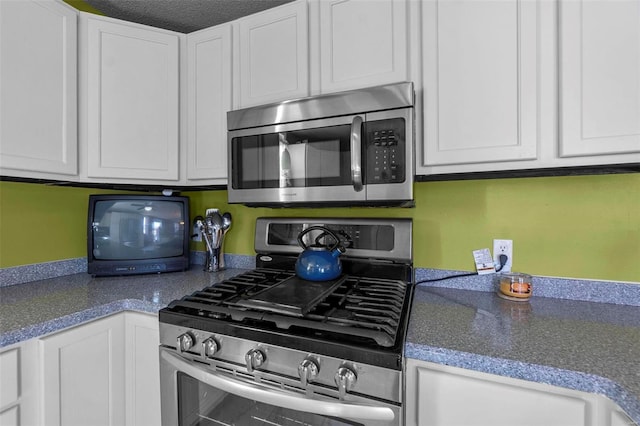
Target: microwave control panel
x: 385, y: 148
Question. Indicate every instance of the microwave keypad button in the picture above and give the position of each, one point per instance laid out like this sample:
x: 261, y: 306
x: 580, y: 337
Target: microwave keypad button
x: 391, y: 138
x: 394, y: 172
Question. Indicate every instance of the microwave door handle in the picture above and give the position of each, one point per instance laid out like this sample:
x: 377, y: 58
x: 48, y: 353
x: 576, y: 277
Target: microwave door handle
x: 275, y: 397
x: 356, y: 153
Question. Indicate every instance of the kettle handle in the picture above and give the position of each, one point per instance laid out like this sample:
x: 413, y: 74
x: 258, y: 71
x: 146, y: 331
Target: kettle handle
x: 318, y: 228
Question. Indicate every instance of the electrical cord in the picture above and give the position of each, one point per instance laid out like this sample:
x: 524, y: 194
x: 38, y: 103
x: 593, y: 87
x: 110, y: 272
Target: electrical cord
x: 503, y: 261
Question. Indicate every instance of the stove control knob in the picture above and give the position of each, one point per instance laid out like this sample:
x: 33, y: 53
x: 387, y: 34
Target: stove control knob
x: 308, y: 371
x: 345, y: 380
x: 185, y: 342
x: 254, y: 359
x: 209, y: 348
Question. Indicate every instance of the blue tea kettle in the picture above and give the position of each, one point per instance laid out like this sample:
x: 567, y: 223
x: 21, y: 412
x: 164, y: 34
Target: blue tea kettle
x: 318, y: 262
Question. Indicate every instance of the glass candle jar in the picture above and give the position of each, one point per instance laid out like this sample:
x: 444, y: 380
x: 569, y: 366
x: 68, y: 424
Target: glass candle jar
x: 514, y: 286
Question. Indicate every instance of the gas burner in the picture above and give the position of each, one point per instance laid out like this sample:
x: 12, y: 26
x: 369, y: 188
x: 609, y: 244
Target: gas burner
x: 363, y: 308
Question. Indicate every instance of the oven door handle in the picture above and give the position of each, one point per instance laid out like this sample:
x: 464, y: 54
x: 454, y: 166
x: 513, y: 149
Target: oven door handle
x: 356, y: 153
x: 278, y: 398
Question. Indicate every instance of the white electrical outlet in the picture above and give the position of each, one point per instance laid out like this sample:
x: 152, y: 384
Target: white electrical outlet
x: 503, y: 247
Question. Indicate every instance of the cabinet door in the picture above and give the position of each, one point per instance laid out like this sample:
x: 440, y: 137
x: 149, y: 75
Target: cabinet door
x: 209, y: 99
x: 10, y: 373
x: 619, y: 418
x: 132, y: 101
x: 362, y: 43
x: 83, y: 375
x: 273, y: 55
x: 10, y: 416
x: 38, y: 86
x: 447, y: 396
x: 10, y: 387
x: 599, y: 77
x: 480, y: 81
x: 142, y: 339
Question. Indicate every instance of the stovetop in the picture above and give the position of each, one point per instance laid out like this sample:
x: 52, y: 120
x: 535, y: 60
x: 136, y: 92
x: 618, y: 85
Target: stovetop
x: 360, y: 307
x: 362, y: 316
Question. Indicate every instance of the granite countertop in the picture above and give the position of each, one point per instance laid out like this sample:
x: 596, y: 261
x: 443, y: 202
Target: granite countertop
x: 586, y: 346
x: 40, y: 307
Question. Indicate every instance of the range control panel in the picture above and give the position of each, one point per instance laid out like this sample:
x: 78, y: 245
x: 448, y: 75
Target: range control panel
x: 379, y: 238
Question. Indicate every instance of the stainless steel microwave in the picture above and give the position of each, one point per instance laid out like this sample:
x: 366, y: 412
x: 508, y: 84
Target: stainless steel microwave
x: 344, y: 149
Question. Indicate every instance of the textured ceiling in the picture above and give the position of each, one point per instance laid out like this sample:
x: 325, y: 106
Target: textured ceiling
x: 183, y: 16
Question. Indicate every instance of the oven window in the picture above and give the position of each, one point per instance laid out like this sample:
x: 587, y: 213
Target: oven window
x: 299, y: 158
x: 200, y: 404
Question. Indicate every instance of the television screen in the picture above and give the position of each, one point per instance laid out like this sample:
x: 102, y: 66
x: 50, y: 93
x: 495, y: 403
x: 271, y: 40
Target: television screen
x: 130, y: 234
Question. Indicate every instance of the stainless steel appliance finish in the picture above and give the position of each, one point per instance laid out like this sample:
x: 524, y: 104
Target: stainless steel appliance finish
x: 343, y: 103
x: 332, y: 361
x: 348, y: 148
x: 277, y: 235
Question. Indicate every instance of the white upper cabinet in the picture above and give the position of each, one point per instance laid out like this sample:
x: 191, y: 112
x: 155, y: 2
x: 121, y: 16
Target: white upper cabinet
x: 132, y: 88
x: 208, y: 100
x: 38, y: 101
x: 480, y: 70
x: 361, y: 43
x: 599, y: 77
x: 273, y: 55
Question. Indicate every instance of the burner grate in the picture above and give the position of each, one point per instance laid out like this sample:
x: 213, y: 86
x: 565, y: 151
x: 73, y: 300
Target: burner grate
x: 366, y: 308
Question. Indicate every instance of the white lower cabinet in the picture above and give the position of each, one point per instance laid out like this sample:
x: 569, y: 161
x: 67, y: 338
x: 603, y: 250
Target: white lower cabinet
x: 439, y: 395
x: 619, y: 418
x: 104, y: 372
x: 19, y: 384
x: 142, y: 369
x: 10, y: 383
x: 83, y: 375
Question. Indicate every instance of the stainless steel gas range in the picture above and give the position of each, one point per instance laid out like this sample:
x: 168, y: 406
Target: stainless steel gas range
x: 268, y: 348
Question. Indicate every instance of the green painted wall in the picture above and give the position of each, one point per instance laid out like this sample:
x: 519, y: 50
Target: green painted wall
x: 573, y: 226
x: 83, y: 6
x: 42, y: 223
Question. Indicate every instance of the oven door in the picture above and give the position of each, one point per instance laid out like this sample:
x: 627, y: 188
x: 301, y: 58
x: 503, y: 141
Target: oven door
x: 193, y: 394
x: 310, y: 161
